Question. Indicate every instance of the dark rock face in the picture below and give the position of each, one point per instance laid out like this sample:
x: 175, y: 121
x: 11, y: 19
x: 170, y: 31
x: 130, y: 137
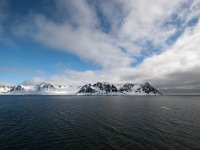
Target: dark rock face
x: 127, y: 87
x: 2, y: 86
x: 6, y: 87
x: 99, y: 85
x: 18, y: 88
x: 46, y: 86
x: 147, y: 88
x: 87, y: 89
x: 98, y: 88
x: 105, y: 87
x: 138, y: 90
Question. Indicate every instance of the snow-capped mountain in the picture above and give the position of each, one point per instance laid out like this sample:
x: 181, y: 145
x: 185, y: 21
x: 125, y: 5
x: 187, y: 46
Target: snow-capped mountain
x: 139, y: 89
x: 5, y: 88
x: 32, y: 89
x: 43, y: 89
x: 99, y: 88
x: 118, y: 89
x: 46, y: 86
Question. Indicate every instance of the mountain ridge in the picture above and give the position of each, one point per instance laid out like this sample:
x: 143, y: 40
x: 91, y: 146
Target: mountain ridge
x: 98, y: 88
x: 125, y: 89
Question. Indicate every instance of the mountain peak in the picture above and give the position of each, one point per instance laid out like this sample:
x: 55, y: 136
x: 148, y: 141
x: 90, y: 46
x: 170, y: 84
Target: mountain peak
x: 46, y: 86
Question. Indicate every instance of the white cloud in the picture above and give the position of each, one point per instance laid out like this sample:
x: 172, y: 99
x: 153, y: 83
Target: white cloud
x: 79, y: 31
x: 89, y: 44
x: 183, y: 55
x: 145, y: 18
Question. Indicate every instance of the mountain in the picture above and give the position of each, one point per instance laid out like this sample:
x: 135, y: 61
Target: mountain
x: 43, y: 89
x: 46, y: 86
x: 5, y: 88
x: 118, y: 89
x: 139, y: 89
x: 99, y: 88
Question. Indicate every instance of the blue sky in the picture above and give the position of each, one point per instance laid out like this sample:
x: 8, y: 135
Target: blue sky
x: 29, y: 59
x: 99, y: 40
x: 25, y: 58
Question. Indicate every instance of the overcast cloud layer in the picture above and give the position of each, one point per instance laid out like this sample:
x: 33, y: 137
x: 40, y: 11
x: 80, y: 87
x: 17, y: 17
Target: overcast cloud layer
x: 130, y: 40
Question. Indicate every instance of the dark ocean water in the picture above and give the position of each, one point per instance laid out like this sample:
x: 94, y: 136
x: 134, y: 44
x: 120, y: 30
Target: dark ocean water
x: 100, y: 122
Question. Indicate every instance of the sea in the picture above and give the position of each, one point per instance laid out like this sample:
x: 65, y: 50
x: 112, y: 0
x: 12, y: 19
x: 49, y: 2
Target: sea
x: 100, y: 122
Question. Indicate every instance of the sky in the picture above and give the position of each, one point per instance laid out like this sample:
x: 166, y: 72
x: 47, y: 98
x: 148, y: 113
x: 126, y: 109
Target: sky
x: 81, y: 41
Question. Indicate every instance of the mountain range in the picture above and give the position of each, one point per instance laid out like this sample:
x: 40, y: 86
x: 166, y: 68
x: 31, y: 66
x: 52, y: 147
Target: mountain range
x: 99, y: 88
